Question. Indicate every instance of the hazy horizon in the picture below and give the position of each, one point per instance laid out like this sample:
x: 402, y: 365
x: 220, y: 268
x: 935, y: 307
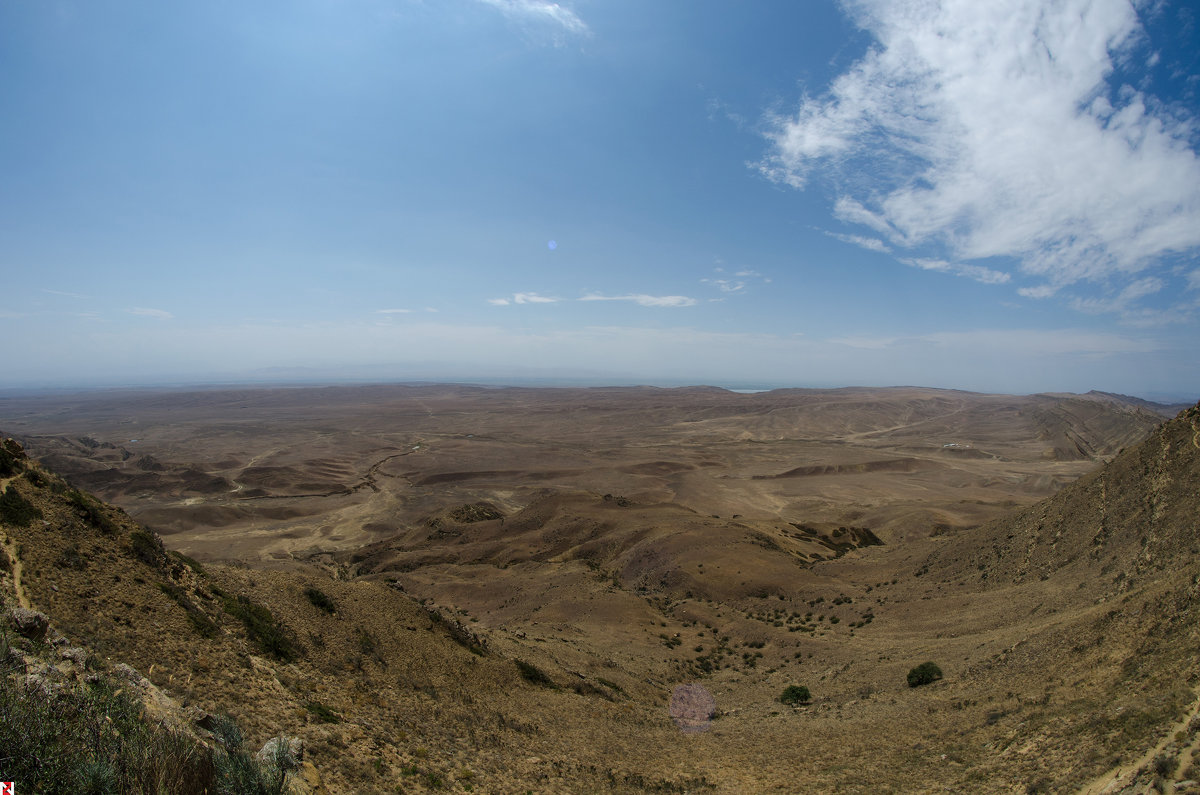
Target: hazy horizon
x: 996, y: 199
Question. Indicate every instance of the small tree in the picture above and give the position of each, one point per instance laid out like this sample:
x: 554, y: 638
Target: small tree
x: 923, y: 674
x: 795, y: 694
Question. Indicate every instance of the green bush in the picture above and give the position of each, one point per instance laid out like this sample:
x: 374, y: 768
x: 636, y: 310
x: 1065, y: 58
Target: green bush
x: 191, y: 563
x: 795, y: 694
x: 95, y: 739
x: 320, y: 600
x: 323, y: 713
x: 262, y: 628
x: 10, y: 459
x: 923, y: 674
x: 532, y: 674
x: 16, y: 510
x: 200, y: 621
x: 147, y: 547
x: 91, y: 512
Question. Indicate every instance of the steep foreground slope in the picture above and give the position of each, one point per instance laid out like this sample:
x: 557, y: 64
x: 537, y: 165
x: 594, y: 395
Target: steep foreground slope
x: 1067, y: 634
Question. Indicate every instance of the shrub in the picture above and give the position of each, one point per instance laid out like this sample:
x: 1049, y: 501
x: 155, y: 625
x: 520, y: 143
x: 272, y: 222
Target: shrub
x: 200, y: 621
x: 147, y: 547
x: 320, y: 600
x: 795, y: 694
x: 16, y: 510
x: 95, y: 739
x: 532, y: 674
x: 923, y: 674
x: 10, y: 458
x: 262, y: 628
x: 323, y: 713
x: 191, y: 563
x: 91, y: 512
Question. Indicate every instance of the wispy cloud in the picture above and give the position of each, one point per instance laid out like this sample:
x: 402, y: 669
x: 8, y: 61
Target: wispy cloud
x: 741, y: 278
x: 1014, y: 341
x: 157, y: 314
x: 523, y: 298
x: 1125, y: 305
x: 644, y: 300
x: 540, y: 12
x: 976, y: 272
x: 65, y: 294
x: 992, y: 130
x: 869, y: 243
x: 392, y: 311
x: 725, y: 285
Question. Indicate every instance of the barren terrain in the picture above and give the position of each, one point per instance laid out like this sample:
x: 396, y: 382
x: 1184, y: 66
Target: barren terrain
x: 623, y: 542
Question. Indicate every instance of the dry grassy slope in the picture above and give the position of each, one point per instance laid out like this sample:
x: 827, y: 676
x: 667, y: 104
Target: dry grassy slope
x: 1115, y: 562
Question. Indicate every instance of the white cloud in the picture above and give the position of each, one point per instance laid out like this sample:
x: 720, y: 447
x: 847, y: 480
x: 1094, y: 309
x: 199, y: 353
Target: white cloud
x: 522, y: 298
x: 976, y: 272
x: 991, y: 130
x: 540, y: 12
x: 392, y: 311
x: 157, y: 314
x: 1193, y: 280
x: 532, y: 298
x: 1041, y: 291
x: 645, y: 300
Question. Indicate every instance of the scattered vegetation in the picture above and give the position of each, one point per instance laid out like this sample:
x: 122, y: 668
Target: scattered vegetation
x: 475, y: 512
x: 923, y: 674
x: 795, y: 694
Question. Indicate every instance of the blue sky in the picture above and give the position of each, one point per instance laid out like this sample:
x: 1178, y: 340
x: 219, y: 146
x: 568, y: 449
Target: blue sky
x: 997, y: 197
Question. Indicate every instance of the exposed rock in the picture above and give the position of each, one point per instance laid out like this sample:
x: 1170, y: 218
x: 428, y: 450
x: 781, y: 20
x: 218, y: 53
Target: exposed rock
x: 75, y: 655
x: 306, y: 781
x: 292, y: 756
x: 29, y: 623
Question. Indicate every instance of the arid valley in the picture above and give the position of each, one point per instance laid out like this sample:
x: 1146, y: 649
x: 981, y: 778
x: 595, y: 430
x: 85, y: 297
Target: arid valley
x: 517, y: 582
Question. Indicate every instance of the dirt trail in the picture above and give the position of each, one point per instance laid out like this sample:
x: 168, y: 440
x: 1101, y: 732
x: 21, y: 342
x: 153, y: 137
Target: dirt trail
x: 1117, y: 779
x: 11, y: 549
x: 18, y: 590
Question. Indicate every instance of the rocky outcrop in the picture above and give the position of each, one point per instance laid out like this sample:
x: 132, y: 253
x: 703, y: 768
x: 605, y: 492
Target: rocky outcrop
x: 29, y: 623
